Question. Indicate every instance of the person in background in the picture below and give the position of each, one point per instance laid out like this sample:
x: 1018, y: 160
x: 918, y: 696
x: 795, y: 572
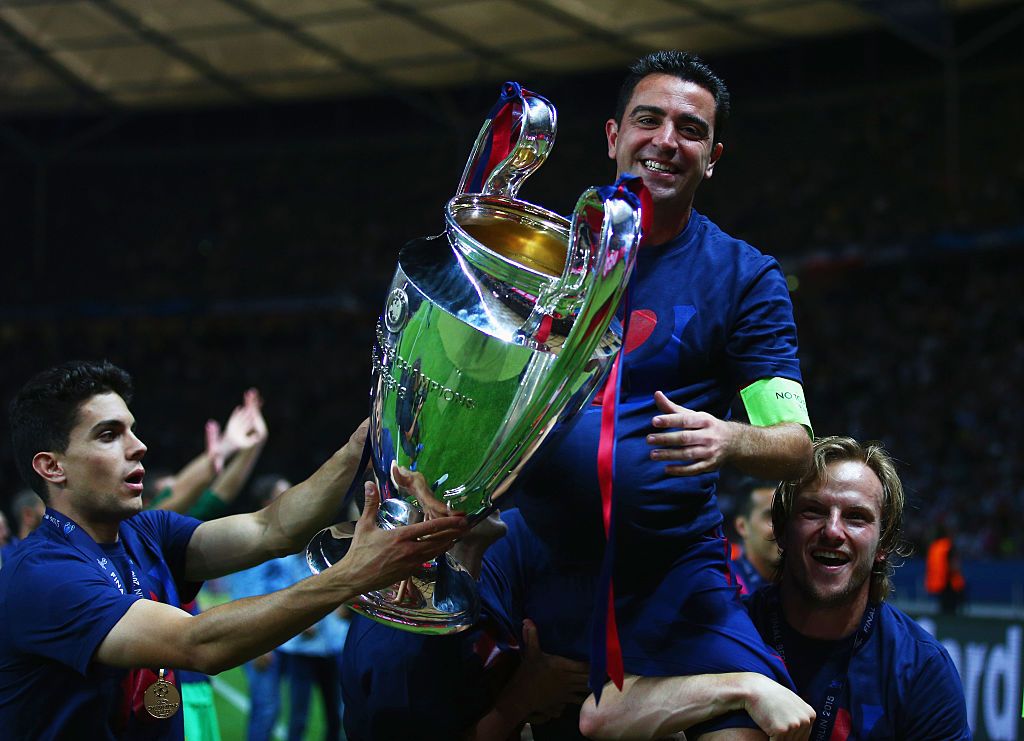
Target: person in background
x: 228, y: 460
x: 312, y: 657
x: 754, y: 562
x: 943, y: 578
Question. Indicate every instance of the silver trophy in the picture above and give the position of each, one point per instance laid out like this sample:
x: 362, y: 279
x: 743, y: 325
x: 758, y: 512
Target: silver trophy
x: 493, y: 333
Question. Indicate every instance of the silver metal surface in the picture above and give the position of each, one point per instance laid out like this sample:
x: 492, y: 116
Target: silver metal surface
x: 492, y: 334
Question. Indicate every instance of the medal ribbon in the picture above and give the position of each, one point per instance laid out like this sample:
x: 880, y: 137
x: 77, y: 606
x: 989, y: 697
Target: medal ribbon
x: 606, y: 648
x: 826, y: 717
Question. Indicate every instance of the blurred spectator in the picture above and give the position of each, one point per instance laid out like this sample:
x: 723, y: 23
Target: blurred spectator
x: 193, y: 493
x: 942, y: 576
x: 28, y: 511
x: 754, y: 563
x: 265, y: 672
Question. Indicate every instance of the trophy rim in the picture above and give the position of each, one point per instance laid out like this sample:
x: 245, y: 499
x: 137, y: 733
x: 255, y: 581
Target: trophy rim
x: 480, y: 256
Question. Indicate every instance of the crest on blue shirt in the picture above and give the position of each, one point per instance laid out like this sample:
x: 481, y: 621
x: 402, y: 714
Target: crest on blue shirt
x: 68, y: 527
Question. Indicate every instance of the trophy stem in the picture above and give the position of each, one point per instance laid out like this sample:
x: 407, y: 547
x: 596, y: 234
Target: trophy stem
x: 438, y: 599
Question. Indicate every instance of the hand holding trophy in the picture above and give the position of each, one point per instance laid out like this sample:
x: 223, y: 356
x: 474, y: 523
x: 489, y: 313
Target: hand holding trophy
x: 493, y: 333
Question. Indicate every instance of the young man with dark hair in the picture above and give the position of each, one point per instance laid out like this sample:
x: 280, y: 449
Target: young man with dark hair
x: 710, y: 317
x: 90, y: 628
x: 755, y: 563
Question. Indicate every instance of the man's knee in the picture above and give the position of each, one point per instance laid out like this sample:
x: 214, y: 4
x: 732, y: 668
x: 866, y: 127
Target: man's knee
x: 592, y: 719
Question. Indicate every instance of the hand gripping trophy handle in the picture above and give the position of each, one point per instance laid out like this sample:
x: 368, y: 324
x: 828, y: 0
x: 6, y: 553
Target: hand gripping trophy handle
x: 493, y: 333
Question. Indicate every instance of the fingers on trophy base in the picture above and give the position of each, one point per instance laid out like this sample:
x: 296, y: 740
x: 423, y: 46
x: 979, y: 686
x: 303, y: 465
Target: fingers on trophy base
x: 440, y: 598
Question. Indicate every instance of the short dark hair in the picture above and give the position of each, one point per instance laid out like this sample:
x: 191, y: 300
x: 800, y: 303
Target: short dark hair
x: 46, y: 410
x: 745, y: 488
x: 685, y: 66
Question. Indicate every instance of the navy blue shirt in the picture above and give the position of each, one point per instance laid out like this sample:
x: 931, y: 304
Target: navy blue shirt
x: 58, y: 603
x: 901, y: 682
x: 710, y: 315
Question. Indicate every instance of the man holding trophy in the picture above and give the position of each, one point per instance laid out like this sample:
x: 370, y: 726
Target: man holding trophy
x: 482, y: 349
x: 710, y: 317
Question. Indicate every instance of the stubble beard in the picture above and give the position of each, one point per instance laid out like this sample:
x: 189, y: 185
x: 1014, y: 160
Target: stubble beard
x: 836, y: 598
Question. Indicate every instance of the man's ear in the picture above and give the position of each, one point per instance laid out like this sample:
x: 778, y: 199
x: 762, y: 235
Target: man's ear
x: 48, y: 466
x: 716, y: 154
x: 740, y: 523
x: 611, y: 132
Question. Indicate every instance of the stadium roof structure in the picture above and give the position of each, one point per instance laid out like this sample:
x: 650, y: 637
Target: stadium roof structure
x: 105, y: 55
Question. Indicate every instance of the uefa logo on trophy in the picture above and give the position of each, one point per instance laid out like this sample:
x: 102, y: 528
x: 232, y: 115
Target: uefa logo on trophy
x: 492, y: 334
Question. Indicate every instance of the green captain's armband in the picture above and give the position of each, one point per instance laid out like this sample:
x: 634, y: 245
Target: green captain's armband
x: 772, y: 401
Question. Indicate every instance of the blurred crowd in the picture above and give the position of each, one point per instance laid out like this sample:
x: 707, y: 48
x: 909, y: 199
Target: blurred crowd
x: 208, y: 268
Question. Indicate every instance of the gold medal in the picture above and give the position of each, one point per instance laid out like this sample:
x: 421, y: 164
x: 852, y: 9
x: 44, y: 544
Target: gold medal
x: 162, y: 698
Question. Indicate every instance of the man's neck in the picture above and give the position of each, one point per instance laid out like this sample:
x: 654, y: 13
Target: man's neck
x: 666, y: 224
x: 99, y: 531
x: 812, y: 619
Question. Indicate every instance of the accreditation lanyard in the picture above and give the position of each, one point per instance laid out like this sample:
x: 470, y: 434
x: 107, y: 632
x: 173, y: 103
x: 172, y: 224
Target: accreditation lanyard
x: 828, y: 707
x: 88, y: 547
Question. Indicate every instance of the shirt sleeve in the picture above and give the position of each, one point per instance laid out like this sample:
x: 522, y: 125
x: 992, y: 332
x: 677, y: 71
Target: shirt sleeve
x: 935, y: 707
x: 62, y: 607
x: 173, y: 532
x: 763, y: 341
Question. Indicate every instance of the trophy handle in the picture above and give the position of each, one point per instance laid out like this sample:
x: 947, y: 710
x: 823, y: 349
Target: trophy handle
x: 605, y: 237
x: 603, y: 241
x: 513, y: 142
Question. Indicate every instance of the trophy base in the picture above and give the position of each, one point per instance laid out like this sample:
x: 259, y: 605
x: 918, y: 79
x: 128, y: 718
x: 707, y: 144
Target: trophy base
x: 439, y: 599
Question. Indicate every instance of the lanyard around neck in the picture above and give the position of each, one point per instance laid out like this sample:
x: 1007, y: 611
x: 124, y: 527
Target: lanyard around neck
x: 828, y: 707
x: 84, y: 544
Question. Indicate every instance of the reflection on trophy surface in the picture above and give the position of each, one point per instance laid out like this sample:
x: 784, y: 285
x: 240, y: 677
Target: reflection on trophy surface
x: 492, y: 333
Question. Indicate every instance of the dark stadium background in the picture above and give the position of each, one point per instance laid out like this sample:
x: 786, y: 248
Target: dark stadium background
x: 212, y: 247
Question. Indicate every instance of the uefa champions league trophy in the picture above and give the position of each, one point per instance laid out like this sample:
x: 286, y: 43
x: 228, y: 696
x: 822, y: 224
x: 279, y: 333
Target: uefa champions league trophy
x: 493, y: 333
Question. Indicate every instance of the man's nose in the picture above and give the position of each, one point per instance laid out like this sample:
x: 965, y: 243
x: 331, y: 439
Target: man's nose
x: 833, y: 526
x: 665, y: 136
x: 136, y: 448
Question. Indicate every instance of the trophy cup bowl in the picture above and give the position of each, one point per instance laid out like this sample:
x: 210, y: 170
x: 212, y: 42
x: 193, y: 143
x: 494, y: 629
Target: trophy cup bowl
x: 492, y: 333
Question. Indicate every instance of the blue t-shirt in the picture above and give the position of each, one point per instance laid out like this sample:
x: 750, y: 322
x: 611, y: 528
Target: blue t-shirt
x: 901, y: 682
x: 709, y: 316
x: 58, y: 603
x: 401, y: 685
x: 397, y: 684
